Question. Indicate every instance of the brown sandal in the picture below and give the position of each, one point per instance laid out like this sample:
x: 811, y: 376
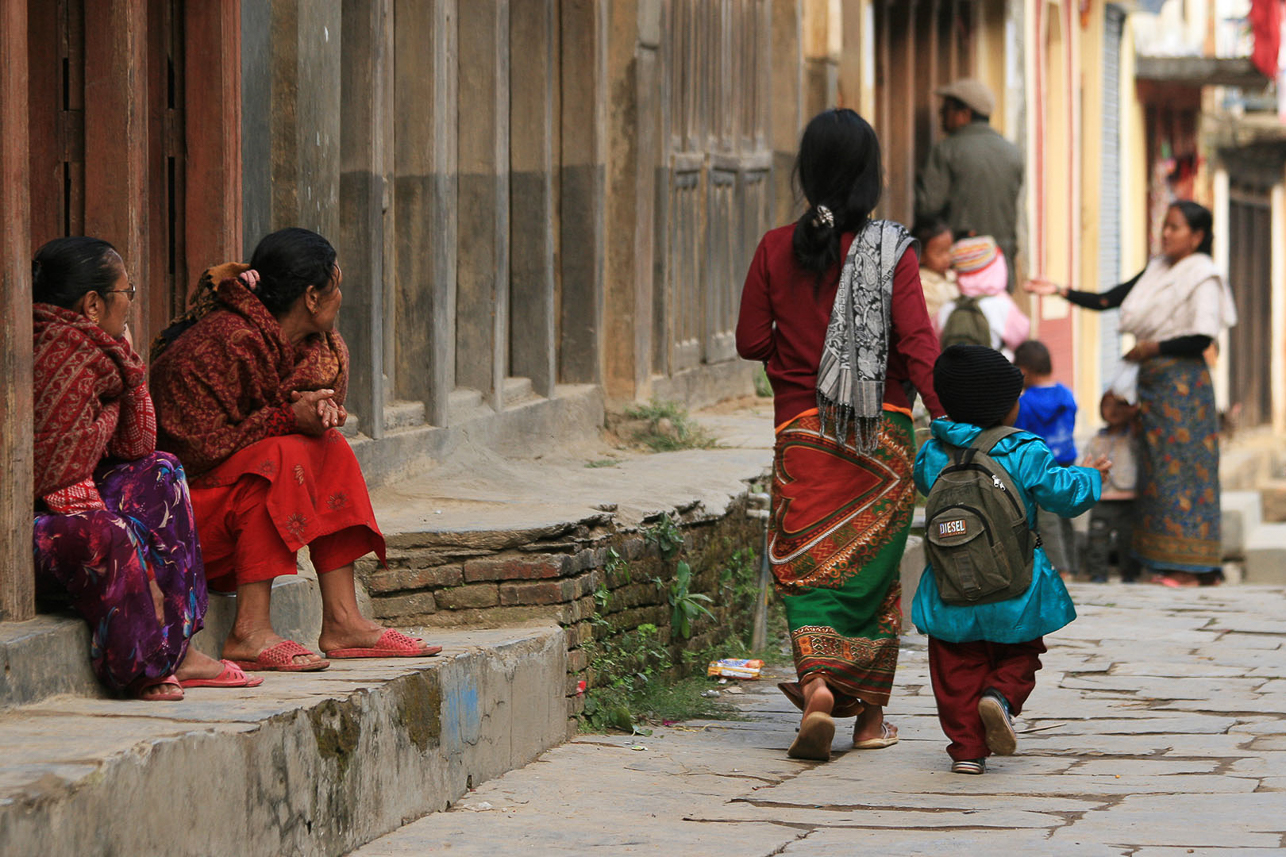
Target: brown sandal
x: 814, y: 739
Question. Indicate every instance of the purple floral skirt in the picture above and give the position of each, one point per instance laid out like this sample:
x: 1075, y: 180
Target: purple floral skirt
x: 105, y: 559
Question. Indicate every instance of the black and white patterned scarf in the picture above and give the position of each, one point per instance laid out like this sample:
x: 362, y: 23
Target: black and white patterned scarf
x: 855, y: 355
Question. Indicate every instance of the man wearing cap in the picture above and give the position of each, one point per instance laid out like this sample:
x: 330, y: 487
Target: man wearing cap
x: 972, y: 177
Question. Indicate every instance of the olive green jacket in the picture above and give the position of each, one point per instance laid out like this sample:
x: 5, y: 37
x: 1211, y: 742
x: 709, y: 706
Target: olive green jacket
x: 971, y: 179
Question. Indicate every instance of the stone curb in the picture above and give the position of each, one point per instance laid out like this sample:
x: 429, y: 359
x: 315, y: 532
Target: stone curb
x: 310, y: 764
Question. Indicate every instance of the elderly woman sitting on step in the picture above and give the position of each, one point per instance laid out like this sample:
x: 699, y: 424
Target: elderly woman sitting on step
x: 250, y: 388
x: 113, y: 522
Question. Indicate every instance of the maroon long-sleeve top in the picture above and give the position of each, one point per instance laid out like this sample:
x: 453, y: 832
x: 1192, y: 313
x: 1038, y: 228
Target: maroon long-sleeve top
x: 783, y: 323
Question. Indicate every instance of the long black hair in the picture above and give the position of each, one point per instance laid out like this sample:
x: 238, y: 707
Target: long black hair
x: 67, y: 269
x: 289, y: 261
x: 838, y: 167
x: 1198, y: 217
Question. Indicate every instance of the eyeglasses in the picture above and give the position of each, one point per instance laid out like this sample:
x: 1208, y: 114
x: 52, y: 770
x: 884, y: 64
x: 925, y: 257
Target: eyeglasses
x: 128, y: 292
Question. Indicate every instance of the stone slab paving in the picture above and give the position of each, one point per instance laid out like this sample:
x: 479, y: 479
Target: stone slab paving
x: 1158, y: 728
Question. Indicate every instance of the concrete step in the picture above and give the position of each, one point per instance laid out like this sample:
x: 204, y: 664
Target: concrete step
x: 1252, y: 456
x: 1241, y: 516
x: 1273, y: 494
x: 1266, y: 555
x: 307, y: 763
x: 464, y: 404
x: 534, y: 425
x: 517, y: 390
x: 45, y: 656
x: 50, y: 654
x: 400, y: 414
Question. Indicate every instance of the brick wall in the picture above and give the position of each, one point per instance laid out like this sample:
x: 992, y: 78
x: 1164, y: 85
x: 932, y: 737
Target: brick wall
x: 495, y: 578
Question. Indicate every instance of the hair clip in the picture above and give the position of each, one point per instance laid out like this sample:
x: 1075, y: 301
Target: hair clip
x: 824, y: 215
x: 250, y: 279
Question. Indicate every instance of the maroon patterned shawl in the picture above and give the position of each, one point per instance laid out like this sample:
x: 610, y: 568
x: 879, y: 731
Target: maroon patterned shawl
x: 225, y: 382
x: 90, y: 399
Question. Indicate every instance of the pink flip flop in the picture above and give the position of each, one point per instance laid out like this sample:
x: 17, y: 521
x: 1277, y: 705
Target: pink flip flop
x: 232, y: 676
x: 391, y: 644
x: 279, y: 658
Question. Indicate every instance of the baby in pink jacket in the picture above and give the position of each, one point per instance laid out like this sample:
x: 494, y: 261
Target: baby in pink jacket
x: 982, y: 272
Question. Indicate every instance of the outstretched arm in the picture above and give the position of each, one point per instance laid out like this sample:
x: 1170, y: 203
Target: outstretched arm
x: 1065, y: 491
x: 1111, y: 299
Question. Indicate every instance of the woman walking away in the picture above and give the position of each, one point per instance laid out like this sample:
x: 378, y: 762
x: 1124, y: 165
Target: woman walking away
x: 834, y: 308
x: 1175, y: 308
x: 114, y: 528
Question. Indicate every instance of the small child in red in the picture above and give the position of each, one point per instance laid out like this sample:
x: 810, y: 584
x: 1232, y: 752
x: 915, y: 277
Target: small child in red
x: 983, y: 658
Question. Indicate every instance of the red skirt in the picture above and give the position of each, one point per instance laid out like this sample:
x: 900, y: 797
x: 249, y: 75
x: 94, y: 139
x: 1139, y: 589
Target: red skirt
x: 255, y: 510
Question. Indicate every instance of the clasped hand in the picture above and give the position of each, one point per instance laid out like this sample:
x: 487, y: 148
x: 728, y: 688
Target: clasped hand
x: 316, y: 411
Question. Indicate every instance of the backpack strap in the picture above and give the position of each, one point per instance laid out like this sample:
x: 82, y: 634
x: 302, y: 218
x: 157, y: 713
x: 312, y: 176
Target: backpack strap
x: 988, y: 438
x: 985, y: 442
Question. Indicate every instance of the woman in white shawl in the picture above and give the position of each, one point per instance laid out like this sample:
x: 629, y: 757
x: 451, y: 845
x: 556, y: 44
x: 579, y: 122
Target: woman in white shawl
x: 1174, y: 308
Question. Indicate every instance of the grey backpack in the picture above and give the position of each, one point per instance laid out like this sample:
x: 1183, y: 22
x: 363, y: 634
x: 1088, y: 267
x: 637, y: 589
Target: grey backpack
x: 976, y: 534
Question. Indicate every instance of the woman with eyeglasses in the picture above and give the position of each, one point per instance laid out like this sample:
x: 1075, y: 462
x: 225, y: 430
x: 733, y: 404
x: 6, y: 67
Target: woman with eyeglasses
x: 114, y: 528
x: 250, y: 389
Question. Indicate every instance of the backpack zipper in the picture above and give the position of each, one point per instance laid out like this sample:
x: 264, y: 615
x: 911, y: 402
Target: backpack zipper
x: 995, y: 481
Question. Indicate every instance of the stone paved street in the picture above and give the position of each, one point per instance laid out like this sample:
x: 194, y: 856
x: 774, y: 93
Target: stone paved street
x: 1158, y: 727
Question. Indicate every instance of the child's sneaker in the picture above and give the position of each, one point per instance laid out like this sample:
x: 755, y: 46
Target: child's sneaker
x: 994, y: 711
x: 969, y: 766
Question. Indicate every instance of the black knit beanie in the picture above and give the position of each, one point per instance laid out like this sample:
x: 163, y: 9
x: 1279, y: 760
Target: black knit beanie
x: 976, y: 384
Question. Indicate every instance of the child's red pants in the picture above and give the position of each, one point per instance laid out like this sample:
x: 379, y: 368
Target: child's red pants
x: 962, y: 671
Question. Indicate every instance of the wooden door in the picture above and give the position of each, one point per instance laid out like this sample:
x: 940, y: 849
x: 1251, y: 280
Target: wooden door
x: 56, y: 100
x: 68, y: 163
x: 1250, y: 276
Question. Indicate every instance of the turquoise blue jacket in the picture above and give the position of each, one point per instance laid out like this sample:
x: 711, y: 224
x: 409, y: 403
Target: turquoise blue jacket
x: 1045, y: 606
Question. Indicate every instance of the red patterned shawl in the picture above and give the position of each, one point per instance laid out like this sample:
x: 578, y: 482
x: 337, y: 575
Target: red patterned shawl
x: 225, y: 383
x: 90, y: 399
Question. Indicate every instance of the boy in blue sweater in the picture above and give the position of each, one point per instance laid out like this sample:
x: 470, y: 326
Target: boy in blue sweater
x: 1047, y: 409
x: 983, y: 658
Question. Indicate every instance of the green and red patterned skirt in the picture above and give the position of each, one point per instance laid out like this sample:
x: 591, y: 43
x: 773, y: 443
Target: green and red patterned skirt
x: 1178, y: 527
x: 839, y: 526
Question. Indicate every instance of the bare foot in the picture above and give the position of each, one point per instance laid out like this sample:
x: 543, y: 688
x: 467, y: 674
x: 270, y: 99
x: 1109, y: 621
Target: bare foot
x: 197, y: 665
x: 356, y: 633
x: 248, y: 646
x: 870, y: 724
x: 158, y: 692
x: 818, y: 697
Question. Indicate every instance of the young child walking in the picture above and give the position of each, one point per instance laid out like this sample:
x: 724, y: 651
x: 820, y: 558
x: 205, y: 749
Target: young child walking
x: 1112, y: 518
x: 1047, y: 409
x: 983, y: 656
